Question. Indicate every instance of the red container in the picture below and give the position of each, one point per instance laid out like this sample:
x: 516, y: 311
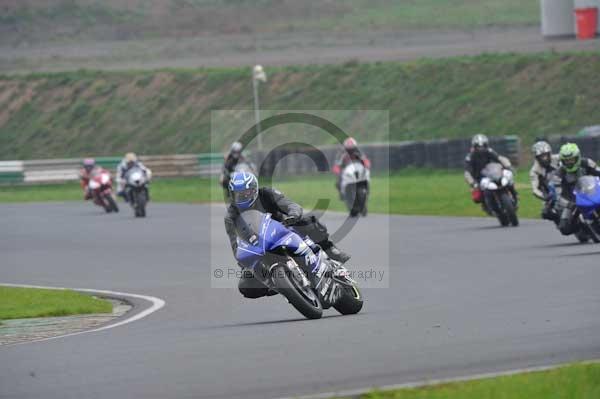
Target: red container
x: 587, y: 23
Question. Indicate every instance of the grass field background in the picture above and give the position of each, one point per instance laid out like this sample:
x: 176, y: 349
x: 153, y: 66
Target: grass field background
x: 39, y: 21
x: 411, y: 192
x: 579, y: 381
x: 19, y: 303
x: 83, y: 113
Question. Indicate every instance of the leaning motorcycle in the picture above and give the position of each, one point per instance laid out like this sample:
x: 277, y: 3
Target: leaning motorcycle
x: 582, y: 234
x: 284, y: 262
x: 137, y: 190
x: 354, y: 188
x: 100, y: 188
x: 496, y: 186
x: 587, y: 201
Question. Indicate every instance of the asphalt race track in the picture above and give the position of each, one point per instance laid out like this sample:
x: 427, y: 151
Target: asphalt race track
x: 465, y: 297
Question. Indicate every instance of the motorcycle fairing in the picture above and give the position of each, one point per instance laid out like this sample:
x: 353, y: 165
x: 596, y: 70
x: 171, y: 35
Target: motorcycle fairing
x: 587, y: 195
x: 273, y: 235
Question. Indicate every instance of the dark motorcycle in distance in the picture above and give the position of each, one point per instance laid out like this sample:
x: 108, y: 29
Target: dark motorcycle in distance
x: 281, y: 260
x: 496, y: 186
x: 136, y: 190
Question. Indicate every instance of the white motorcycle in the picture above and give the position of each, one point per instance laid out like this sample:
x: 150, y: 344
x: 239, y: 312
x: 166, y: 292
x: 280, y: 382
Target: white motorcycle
x: 497, y: 184
x: 354, y: 188
x: 136, y: 190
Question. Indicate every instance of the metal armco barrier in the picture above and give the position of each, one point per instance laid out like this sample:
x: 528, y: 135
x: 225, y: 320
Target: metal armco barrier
x: 11, y: 172
x: 589, y: 146
x: 64, y: 170
x: 436, y: 154
x: 439, y: 154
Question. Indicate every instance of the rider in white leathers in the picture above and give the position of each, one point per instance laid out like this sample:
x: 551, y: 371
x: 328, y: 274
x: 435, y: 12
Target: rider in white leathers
x: 129, y: 161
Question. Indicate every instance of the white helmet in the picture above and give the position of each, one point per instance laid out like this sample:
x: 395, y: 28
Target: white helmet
x: 480, y: 141
x: 130, y: 157
x: 236, y: 149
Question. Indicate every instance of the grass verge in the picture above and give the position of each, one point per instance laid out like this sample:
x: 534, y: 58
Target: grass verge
x: 410, y: 192
x: 578, y: 381
x: 21, y: 303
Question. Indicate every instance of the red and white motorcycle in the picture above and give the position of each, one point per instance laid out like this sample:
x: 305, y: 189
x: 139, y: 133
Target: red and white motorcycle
x: 100, y: 188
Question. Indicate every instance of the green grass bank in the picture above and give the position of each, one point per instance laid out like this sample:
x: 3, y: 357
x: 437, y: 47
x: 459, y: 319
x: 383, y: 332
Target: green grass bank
x: 83, y: 113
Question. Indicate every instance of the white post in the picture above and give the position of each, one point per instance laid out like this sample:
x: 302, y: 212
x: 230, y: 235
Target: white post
x: 257, y: 113
x: 258, y: 74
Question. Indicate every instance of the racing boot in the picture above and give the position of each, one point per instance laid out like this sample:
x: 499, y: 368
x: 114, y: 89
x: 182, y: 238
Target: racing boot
x: 334, y: 252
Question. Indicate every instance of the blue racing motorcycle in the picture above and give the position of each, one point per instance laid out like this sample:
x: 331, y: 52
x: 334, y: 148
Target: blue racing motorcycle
x: 582, y: 233
x: 587, y: 201
x: 286, y: 263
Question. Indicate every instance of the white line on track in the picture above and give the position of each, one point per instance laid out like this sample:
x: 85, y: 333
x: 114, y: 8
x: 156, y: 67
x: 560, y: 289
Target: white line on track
x: 157, y: 304
x: 420, y: 384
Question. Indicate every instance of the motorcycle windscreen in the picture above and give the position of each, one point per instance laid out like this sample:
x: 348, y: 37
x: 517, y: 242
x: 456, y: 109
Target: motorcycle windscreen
x: 587, y: 193
x: 135, y: 176
x: 493, y: 171
x: 355, y: 172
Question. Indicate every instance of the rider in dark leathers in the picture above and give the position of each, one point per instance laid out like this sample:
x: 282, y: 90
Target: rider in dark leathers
x: 232, y: 158
x: 283, y: 210
x: 573, y: 166
x: 478, y: 158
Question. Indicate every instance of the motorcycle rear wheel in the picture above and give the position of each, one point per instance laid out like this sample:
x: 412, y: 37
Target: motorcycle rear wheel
x: 305, y: 300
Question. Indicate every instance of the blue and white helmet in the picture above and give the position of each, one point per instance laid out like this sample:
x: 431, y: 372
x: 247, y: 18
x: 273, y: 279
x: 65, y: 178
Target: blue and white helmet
x: 243, y: 187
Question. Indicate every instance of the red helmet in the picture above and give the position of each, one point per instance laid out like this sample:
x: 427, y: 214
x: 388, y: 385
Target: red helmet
x: 350, y: 144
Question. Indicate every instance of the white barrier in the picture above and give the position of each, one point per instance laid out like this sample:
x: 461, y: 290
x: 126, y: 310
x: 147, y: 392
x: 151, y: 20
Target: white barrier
x: 51, y: 176
x: 65, y: 170
x: 11, y: 166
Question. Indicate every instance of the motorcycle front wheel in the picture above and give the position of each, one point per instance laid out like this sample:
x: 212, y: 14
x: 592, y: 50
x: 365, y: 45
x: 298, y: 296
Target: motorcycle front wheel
x: 289, y: 284
x: 360, y: 203
x: 494, y: 205
x: 508, y: 206
x: 582, y: 236
x: 141, y: 204
x: 351, y: 300
x: 110, y: 205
